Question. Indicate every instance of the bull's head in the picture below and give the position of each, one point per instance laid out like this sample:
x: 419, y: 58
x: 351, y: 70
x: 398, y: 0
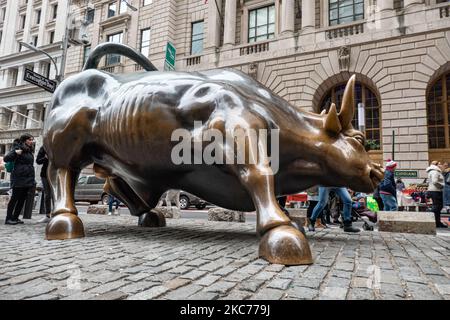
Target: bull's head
x: 335, y: 152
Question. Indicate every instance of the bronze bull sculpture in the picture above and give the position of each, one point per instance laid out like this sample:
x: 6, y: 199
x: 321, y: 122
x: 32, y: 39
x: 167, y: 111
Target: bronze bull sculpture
x: 123, y: 125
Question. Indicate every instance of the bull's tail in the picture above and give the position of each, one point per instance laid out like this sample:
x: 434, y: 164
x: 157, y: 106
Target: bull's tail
x: 116, y: 48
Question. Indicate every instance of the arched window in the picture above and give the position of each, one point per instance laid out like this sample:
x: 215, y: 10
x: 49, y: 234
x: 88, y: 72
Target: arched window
x: 438, y: 113
x: 366, y: 96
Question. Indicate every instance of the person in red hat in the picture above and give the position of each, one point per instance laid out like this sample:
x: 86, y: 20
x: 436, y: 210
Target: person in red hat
x: 388, y: 191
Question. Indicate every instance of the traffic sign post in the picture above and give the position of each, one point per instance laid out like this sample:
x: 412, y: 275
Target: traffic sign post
x: 171, y: 52
x: 40, y: 80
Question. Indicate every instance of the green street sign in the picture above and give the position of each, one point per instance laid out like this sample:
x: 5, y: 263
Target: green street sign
x: 171, y: 53
x: 406, y: 173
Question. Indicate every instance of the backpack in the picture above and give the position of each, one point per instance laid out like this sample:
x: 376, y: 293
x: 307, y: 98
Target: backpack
x: 9, y: 166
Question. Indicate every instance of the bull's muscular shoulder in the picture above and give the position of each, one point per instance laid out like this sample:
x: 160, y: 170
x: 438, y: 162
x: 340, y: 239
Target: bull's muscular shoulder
x: 90, y: 84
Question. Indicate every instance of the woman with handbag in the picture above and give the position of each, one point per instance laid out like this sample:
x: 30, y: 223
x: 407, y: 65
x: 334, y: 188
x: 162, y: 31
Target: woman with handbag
x: 22, y: 176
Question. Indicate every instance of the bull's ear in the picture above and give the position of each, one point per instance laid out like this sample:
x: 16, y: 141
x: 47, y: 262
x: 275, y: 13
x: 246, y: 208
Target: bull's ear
x: 348, y: 103
x: 331, y: 121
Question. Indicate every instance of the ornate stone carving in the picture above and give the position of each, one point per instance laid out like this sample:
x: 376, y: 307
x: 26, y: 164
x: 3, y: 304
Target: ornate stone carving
x: 344, y: 58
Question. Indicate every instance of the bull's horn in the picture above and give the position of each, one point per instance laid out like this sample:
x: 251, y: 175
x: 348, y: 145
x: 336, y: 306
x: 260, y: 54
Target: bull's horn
x: 324, y: 111
x: 348, y: 103
x: 331, y: 122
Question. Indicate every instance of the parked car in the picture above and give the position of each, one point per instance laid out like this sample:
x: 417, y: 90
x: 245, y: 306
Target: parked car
x: 5, y: 186
x: 90, y: 189
x: 187, y: 200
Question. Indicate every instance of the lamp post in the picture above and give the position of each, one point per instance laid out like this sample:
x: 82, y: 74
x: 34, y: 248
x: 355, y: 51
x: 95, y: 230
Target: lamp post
x: 33, y: 48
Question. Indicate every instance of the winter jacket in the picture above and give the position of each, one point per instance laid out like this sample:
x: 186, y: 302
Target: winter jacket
x: 447, y: 187
x: 388, y: 184
x: 435, y: 178
x: 42, y: 159
x: 22, y: 175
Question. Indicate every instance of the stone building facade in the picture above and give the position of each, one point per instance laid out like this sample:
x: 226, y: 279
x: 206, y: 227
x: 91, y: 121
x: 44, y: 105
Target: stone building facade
x: 22, y: 105
x: 304, y: 50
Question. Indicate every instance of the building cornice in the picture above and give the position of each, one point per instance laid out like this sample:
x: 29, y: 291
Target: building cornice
x: 15, y: 57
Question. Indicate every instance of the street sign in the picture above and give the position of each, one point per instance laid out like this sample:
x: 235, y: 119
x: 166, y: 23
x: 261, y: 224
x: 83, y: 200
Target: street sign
x: 406, y: 173
x: 171, y: 52
x: 39, y: 80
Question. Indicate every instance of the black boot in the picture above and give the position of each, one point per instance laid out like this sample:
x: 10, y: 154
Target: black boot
x: 311, y: 224
x: 348, y: 227
x: 10, y: 221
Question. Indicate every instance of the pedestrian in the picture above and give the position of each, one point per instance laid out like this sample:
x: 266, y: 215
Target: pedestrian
x: 377, y: 197
x: 313, y: 199
x: 435, y: 191
x: 446, y: 173
x: 399, y: 185
x: 42, y: 159
x: 111, y: 201
x: 388, y: 191
x: 22, y: 176
x: 323, y: 200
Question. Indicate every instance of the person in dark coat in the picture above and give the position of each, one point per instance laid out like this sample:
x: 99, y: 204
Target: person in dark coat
x: 46, y: 191
x: 388, y: 190
x: 22, y: 176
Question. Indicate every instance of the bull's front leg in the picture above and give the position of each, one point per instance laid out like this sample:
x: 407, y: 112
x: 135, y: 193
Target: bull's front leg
x: 280, y: 242
x: 65, y: 223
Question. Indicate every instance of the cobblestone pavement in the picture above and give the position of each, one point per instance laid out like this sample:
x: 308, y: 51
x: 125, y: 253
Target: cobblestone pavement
x: 198, y: 259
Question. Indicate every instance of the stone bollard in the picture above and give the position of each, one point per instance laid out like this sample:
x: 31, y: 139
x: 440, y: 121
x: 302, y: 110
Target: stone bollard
x: 221, y: 214
x: 170, y: 213
x: 4, y: 199
x: 406, y: 222
x: 297, y: 215
x: 97, y: 209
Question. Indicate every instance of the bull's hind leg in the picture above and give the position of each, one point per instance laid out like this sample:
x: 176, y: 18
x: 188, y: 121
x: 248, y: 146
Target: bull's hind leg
x: 65, y: 223
x: 120, y: 189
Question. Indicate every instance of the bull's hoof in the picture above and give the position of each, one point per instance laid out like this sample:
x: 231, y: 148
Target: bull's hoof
x: 285, y: 245
x: 64, y: 226
x: 152, y: 219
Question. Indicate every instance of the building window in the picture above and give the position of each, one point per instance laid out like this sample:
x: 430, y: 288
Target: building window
x: 90, y: 15
x: 38, y: 16
x: 123, y: 7
x: 35, y: 40
x: 261, y: 24
x: 22, y: 22
x: 54, y: 11
x: 3, y: 14
x: 398, y: 5
x: 344, y: 11
x: 145, y: 42
x: 114, y: 58
x: 197, y: 38
x: 365, y: 95
x: 112, y: 9
x: 438, y: 114
x: 86, y: 52
x: 45, y: 69
x: 51, y: 37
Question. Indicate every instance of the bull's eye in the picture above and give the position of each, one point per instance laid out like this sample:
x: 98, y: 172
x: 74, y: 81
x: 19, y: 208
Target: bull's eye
x: 360, y: 139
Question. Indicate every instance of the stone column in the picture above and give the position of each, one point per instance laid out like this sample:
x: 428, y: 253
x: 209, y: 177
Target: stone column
x: 15, y: 118
x: 229, y: 37
x: 288, y: 16
x: 214, y: 24
x: 32, y: 112
x: 20, y: 74
x: 385, y: 5
x: 4, y: 116
x: 44, y: 18
x: 308, y: 14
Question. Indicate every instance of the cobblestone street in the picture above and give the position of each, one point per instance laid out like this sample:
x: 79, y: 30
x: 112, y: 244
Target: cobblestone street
x: 197, y: 259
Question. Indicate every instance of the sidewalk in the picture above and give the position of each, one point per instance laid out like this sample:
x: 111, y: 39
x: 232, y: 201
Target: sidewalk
x: 198, y: 259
